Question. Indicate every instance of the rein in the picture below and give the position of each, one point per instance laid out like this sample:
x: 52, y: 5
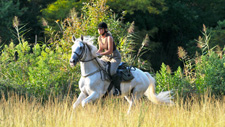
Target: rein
x: 82, y: 55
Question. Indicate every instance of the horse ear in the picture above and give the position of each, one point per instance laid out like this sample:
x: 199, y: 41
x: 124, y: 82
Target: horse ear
x: 82, y: 37
x: 73, y: 38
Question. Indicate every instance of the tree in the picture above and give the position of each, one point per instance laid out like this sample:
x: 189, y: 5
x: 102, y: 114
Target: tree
x: 32, y: 17
x: 59, y: 10
x: 28, y: 11
x: 171, y: 24
x: 151, y: 6
x: 8, y: 9
x: 218, y: 35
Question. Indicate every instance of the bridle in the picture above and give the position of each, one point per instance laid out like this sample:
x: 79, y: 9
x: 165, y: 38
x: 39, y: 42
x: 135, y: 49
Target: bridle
x: 83, y: 53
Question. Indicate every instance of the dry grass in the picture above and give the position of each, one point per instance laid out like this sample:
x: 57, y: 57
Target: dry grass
x: 19, y: 112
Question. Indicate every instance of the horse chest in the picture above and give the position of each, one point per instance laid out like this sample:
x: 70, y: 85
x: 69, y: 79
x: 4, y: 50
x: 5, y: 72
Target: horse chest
x: 91, y: 83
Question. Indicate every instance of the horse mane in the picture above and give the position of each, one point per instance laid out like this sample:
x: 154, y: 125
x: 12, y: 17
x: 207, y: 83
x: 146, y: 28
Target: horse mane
x: 90, y: 40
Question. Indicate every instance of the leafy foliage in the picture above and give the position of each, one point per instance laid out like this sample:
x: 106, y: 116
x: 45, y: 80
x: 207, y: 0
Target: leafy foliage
x: 169, y: 23
x: 218, y: 34
x: 42, y: 72
x: 201, y: 74
x: 175, y: 81
x: 8, y: 9
x: 59, y: 10
x: 151, y: 6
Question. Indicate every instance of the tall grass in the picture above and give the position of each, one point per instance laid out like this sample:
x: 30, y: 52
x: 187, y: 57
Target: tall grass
x: 20, y: 112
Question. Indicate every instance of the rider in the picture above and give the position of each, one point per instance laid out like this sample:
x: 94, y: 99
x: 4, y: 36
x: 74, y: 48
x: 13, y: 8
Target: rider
x: 108, y: 51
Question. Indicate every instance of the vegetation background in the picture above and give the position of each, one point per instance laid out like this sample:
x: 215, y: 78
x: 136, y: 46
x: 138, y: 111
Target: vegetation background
x: 180, y: 42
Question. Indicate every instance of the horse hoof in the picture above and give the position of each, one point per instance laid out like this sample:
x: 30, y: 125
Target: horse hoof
x: 74, y: 106
x: 83, y: 103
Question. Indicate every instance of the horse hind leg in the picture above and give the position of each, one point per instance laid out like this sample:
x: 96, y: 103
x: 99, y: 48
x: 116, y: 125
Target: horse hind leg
x: 132, y: 99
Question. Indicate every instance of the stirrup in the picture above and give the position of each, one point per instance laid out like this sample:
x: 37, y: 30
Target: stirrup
x: 116, y: 92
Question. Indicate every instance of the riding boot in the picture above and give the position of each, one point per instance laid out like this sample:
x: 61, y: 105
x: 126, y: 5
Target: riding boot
x: 116, y: 80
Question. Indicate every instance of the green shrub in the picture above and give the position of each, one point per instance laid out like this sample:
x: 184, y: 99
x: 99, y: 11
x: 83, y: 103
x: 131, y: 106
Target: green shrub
x: 210, y: 73
x: 42, y: 72
x: 201, y: 74
x: 8, y: 9
x: 175, y: 81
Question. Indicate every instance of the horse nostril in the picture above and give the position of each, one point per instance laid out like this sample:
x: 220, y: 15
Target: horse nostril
x: 72, y: 61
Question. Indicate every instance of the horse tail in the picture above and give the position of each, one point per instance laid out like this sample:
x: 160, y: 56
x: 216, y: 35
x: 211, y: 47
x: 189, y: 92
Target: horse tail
x: 162, y: 98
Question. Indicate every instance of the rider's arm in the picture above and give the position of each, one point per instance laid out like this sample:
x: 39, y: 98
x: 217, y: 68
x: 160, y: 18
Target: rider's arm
x: 110, y: 46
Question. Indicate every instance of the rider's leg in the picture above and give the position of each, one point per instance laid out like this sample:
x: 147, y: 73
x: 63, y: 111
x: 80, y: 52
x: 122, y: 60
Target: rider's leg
x: 116, y: 80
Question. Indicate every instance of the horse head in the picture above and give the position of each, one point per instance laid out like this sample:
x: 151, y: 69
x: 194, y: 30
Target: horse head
x: 77, y: 51
x: 82, y: 51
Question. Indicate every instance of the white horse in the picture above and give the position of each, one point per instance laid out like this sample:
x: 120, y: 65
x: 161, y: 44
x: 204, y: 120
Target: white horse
x: 93, y: 86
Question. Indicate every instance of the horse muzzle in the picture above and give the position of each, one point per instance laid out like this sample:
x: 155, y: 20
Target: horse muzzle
x: 73, y: 62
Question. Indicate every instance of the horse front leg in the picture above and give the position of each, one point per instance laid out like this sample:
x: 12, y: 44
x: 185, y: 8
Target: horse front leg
x: 80, y: 98
x: 90, y: 98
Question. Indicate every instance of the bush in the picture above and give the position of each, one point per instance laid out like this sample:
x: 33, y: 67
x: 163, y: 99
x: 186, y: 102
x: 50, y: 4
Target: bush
x: 201, y: 74
x: 175, y: 81
x: 42, y: 72
x: 210, y: 73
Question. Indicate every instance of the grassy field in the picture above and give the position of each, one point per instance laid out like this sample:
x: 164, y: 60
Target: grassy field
x: 20, y: 112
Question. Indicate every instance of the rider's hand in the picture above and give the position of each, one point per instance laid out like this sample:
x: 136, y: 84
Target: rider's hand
x: 98, y: 54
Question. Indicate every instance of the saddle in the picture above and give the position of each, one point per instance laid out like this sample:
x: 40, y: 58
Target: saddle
x: 123, y: 74
x: 124, y: 71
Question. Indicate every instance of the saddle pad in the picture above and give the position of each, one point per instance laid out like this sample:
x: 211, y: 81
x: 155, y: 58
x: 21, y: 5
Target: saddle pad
x: 125, y: 72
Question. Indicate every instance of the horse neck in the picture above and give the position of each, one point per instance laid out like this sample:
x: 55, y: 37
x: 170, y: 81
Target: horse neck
x: 90, y: 66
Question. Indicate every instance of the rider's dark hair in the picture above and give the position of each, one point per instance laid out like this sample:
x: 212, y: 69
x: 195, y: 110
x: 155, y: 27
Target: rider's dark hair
x: 104, y: 26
